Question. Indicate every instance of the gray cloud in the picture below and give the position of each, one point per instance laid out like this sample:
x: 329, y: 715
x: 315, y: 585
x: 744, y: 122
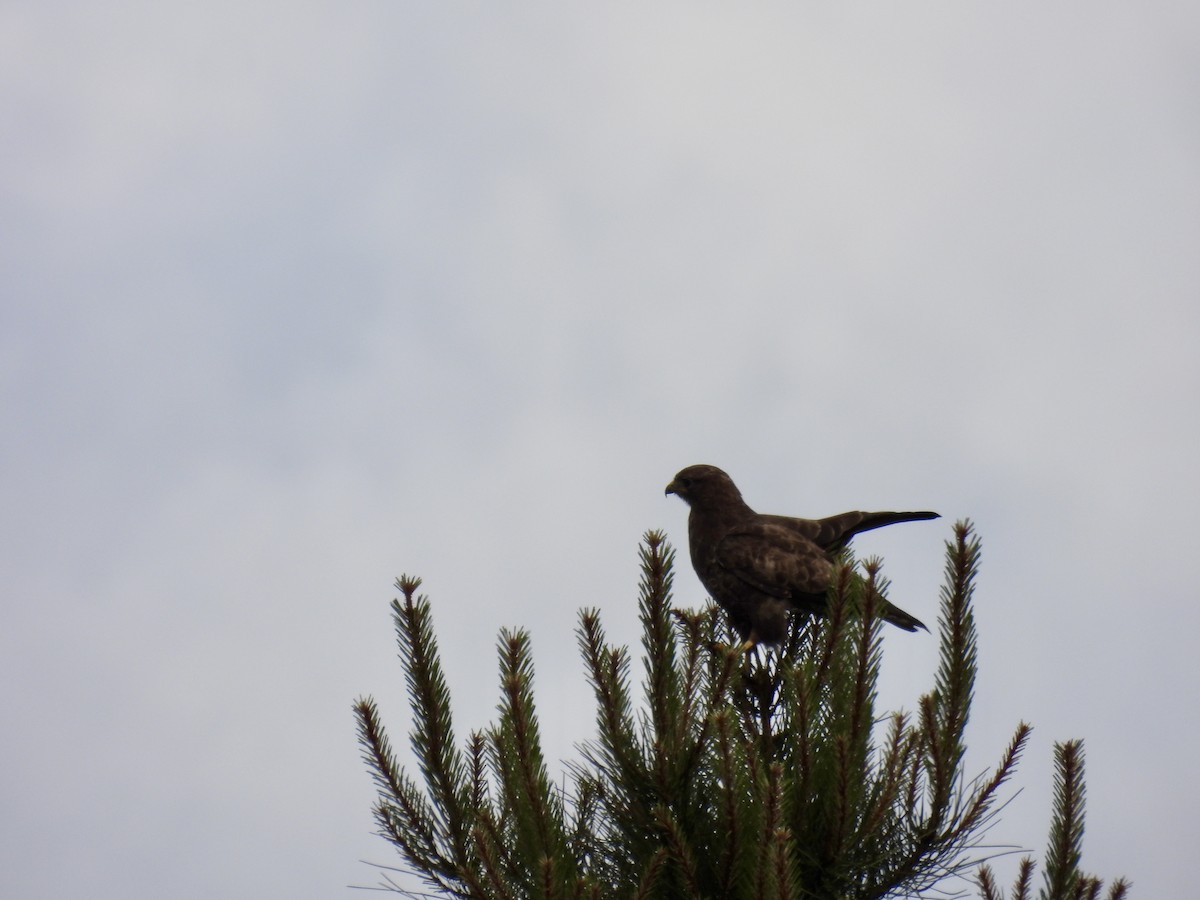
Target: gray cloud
x: 300, y: 297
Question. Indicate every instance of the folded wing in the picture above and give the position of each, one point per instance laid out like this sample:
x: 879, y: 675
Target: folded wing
x: 775, y: 560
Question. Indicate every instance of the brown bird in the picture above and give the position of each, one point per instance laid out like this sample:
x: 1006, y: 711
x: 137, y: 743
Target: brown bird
x: 757, y: 567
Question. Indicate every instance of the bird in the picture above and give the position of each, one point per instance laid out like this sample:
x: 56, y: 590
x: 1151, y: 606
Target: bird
x: 758, y: 567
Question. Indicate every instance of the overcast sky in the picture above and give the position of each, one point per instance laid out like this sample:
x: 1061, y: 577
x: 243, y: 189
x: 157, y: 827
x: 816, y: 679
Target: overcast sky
x: 297, y: 297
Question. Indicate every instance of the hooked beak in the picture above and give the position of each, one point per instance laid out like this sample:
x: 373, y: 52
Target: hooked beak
x: 672, y: 488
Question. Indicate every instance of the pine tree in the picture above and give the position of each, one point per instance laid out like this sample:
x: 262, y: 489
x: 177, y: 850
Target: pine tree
x: 761, y: 776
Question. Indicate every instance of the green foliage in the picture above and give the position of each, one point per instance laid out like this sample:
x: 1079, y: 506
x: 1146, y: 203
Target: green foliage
x: 1063, y: 878
x: 731, y: 776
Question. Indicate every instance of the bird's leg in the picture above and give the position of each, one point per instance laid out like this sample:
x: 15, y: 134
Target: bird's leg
x: 722, y: 647
x: 760, y: 693
x: 749, y: 644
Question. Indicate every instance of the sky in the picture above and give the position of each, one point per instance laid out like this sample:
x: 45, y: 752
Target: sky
x: 300, y: 297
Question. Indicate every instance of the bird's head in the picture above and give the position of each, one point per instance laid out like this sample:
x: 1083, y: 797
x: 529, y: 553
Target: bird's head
x: 701, y: 486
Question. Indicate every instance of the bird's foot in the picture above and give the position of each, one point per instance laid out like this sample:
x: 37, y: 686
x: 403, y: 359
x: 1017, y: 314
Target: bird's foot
x: 747, y: 646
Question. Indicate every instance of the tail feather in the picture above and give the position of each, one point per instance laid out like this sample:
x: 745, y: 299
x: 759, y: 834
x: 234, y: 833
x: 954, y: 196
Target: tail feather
x: 901, y: 619
x: 836, y: 531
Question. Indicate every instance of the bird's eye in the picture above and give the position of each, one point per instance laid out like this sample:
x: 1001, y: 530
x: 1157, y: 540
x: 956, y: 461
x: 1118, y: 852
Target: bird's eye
x: 686, y: 482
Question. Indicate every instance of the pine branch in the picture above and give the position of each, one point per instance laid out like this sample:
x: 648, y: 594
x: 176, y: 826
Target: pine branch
x: 690, y: 631
x: 731, y: 790
x: 401, y: 812
x: 987, y: 883
x: 494, y: 867
x: 868, y: 655
x: 608, y: 674
x: 736, y: 776
x: 662, y: 680
x: 1066, y: 826
x: 1023, y: 888
x: 534, y: 818
x: 432, y: 736
x: 1063, y: 878
x: 955, y: 679
x: 679, y: 852
x: 980, y: 807
x: 649, y: 879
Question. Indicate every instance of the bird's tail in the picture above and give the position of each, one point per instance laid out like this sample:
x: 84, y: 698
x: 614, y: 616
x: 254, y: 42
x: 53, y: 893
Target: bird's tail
x: 901, y: 619
x: 835, y: 532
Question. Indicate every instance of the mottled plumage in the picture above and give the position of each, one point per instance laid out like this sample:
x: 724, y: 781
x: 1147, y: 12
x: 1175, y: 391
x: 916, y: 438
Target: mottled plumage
x: 758, y: 566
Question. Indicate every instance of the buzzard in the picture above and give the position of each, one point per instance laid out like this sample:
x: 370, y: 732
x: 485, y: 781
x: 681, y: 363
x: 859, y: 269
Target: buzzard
x: 757, y: 566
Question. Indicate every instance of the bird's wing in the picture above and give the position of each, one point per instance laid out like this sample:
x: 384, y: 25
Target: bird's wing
x: 807, y: 528
x: 774, y: 559
x: 834, y: 532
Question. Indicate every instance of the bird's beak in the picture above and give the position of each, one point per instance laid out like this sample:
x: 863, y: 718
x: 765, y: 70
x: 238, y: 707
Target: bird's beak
x: 672, y: 488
